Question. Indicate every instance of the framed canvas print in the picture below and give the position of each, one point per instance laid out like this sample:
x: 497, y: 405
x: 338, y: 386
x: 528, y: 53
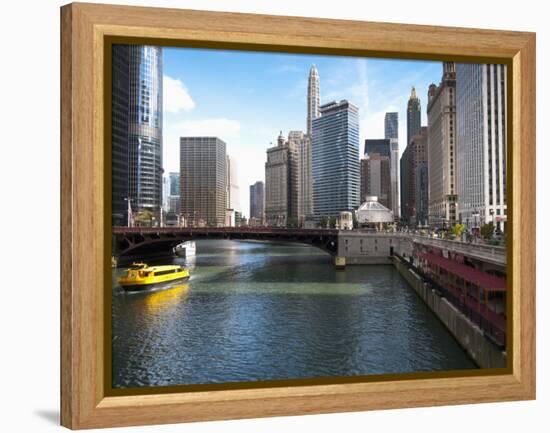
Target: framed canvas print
x: 265, y: 215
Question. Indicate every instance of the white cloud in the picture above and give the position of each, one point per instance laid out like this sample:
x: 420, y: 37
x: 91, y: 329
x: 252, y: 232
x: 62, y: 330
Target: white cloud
x: 176, y: 97
x: 361, y: 90
x: 372, y: 126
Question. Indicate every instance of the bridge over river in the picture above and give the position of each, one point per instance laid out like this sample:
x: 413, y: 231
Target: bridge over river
x: 349, y: 247
x: 136, y: 241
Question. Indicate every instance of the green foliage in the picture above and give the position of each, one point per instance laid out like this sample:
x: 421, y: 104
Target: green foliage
x: 332, y: 222
x: 487, y: 231
x: 323, y: 222
x: 144, y: 218
x: 292, y: 222
x: 457, y: 230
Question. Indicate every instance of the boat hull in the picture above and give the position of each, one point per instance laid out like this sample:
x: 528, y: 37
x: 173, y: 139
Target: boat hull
x: 150, y: 286
x: 185, y: 249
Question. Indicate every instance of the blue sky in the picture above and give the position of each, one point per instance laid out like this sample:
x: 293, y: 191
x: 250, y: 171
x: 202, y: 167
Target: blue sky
x: 246, y: 98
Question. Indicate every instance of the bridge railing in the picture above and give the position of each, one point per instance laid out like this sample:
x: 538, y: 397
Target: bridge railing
x: 494, y: 252
x: 221, y: 230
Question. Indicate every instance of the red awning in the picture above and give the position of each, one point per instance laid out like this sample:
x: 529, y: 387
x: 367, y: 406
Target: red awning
x: 481, y: 279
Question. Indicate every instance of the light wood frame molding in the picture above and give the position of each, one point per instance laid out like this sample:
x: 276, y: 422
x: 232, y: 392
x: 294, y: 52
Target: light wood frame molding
x: 84, y: 403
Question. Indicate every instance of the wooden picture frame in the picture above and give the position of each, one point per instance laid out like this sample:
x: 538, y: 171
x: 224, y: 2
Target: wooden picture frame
x: 85, y: 28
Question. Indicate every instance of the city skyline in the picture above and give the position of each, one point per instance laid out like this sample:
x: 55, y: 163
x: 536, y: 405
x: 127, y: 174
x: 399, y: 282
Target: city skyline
x: 196, y: 101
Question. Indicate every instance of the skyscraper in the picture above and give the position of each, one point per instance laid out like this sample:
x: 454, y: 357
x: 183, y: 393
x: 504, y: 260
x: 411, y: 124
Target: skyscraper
x: 391, y: 132
x: 481, y: 144
x: 335, y: 159
x: 119, y: 137
x: 313, y: 97
x: 174, y: 183
x: 145, y: 128
x: 413, y: 156
x: 203, y: 183
x: 257, y: 201
x: 174, y: 205
x: 233, y: 199
x: 165, y: 192
x: 391, y: 125
x: 421, y: 191
x: 413, y: 116
x: 281, y: 183
x: 380, y: 146
x: 375, y: 178
x: 304, y: 199
x: 442, y: 149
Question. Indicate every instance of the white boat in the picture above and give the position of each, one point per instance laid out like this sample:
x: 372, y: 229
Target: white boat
x: 185, y: 249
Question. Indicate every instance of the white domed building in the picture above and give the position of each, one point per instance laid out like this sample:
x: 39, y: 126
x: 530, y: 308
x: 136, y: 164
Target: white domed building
x: 371, y: 213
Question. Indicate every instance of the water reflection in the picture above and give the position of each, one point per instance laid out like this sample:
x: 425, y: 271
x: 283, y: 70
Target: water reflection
x: 166, y: 298
x: 253, y: 311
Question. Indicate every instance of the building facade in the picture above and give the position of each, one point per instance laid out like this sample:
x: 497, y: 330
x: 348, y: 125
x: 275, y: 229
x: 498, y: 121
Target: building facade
x: 203, y: 182
x: 335, y: 159
x: 233, y: 193
x: 376, y: 178
x: 174, y: 205
x: 313, y: 97
x: 281, y: 183
x: 174, y: 183
x: 257, y: 202
x: 381, y: 146
x: 391, y: 132
x: 174, y: 194
x: 413, y: 156
x: 119, y: 133
x: 391, y: 125
x: 301, y: 143
x: 145, y: 128
x: 481, y: 144
x: 442, y: 149
x: 421, y: 187
x: 165, y: 192
x: 413, y: 116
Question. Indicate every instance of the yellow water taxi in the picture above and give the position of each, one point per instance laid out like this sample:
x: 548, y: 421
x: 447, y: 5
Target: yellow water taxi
x: 140, y: 276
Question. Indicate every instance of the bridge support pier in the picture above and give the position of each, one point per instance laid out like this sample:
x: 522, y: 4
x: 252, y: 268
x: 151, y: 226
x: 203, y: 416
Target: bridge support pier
x: 340, y: 262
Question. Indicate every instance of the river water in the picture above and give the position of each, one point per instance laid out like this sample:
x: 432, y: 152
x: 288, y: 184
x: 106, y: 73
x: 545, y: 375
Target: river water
x: 263, y: 311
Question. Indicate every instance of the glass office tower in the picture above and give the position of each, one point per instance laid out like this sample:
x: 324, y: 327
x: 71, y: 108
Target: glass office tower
x: 119, y: 134
x: 335, y: 159
x: 391, y: 125
x: 145, y: 128
x: 380, y: 146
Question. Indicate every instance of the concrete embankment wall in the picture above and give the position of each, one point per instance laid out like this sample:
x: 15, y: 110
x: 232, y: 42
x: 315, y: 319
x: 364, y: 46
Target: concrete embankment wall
x: 362, y: 260
x: 471, y: 338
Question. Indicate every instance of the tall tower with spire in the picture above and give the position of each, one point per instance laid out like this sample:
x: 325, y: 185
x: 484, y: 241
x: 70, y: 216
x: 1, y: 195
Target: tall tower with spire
x: 413, y: 116
x: 313, y: 98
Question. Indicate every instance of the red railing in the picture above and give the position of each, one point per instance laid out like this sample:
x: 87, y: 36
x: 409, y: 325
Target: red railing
x: 491, y: 323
